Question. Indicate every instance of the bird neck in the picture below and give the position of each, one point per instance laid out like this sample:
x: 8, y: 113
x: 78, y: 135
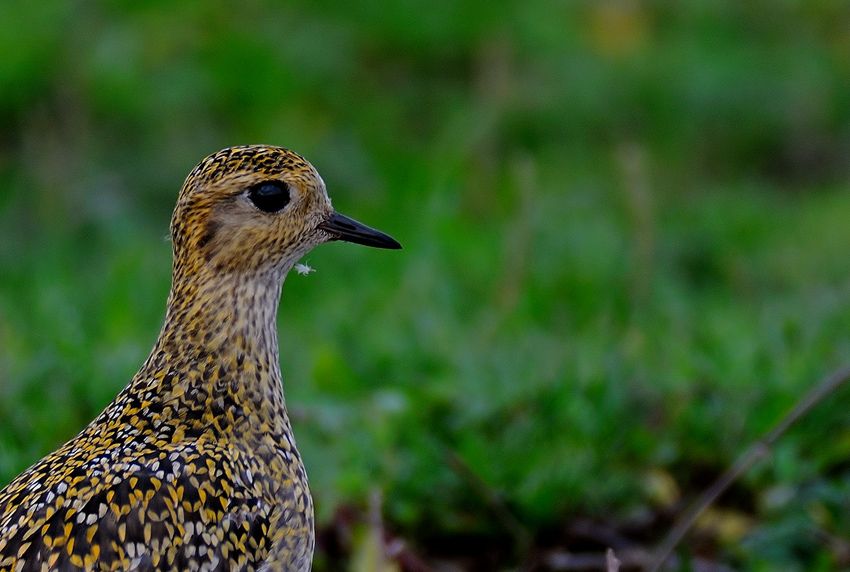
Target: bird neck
x: 217, y: 354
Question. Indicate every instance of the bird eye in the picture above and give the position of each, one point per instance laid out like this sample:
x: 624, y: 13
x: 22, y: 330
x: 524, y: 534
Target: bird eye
x: 270, y: 196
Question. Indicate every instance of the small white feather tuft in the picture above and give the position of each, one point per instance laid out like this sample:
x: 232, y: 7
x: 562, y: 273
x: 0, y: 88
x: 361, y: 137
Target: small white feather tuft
x: 303, y: 269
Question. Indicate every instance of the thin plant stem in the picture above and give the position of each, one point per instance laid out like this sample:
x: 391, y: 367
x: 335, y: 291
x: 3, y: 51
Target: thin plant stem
x: 751, y: 456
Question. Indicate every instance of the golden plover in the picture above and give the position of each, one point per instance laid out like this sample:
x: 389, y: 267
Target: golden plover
x: 193, y: 466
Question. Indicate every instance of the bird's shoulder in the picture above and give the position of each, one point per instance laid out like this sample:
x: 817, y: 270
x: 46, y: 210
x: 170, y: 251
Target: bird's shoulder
x: 183, y: 507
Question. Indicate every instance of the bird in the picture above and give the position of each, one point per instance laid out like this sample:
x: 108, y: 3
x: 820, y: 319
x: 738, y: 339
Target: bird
x: 193, y: 466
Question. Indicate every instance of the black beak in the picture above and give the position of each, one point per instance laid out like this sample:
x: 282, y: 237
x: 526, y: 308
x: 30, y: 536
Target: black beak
x: 343, y: 228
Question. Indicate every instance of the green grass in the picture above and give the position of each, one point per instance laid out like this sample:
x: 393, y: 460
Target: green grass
x: 625, y: 245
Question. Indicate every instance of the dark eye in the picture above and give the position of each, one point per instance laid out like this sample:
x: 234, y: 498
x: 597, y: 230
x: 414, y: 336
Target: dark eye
x: 270, y: 196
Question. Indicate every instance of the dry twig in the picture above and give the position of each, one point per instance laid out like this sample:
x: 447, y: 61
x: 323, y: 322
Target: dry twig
x: 522, y: 537
x: 629, y: 559
x: 751, y: 456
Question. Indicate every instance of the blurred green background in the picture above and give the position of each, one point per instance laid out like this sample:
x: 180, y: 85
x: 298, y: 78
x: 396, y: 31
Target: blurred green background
x: 626, y: 231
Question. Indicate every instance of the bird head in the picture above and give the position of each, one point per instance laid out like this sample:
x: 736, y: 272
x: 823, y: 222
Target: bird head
x: 257, y: 208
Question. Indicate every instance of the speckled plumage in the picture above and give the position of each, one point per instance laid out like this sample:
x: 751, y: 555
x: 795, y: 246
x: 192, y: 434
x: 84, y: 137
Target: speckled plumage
x: 193, y: 466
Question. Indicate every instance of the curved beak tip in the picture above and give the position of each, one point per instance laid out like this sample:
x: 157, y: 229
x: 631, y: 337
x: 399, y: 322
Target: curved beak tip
x: 341, y: 227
